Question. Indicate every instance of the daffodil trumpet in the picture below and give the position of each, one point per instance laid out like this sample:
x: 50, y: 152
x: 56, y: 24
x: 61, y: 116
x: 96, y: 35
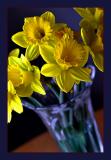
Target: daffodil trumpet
x: 66, y: 64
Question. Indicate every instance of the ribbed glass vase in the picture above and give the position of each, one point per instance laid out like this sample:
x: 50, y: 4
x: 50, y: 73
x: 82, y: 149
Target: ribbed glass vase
x: 72, y: 123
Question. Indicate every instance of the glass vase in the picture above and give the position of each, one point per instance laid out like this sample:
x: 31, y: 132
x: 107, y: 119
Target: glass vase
x: 72, y: 124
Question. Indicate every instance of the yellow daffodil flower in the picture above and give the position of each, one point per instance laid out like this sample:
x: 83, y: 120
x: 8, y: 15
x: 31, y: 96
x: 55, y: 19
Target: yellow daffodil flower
x: 66, y: 63
x: 25, y: 78
x: 38, y: 31
x: 14, y: 102
x: 92, y: 33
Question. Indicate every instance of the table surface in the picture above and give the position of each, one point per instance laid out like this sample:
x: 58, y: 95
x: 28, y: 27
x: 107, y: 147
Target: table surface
x: 45, y: 143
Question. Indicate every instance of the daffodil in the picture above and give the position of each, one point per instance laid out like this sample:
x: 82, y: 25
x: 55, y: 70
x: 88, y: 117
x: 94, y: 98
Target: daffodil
x: 24, y: 76
x: 92, y: 33
x: 14, y: 102
x: 38, y: 31
x: 66, y: 63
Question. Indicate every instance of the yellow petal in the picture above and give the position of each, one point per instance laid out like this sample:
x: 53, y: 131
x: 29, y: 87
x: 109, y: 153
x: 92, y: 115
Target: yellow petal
x: 27, y: 77
x: 99, y: 61
x: 97, y: 46
x: 99, y: 14
x: 82, y: 74
x: 86, y: 55
x: 50, y: 70
x: 15, y: 75
x: 92, y: 10
x: 22, y: 62
x: 14, y: 52
x: 36, y: 72
x: 65, y: 81
x: 84, y: 12
x: 49, y: 16
x: 87, y: 33
x: 47, y: 53
x: 17, y: 105
x: 17, y: 62
x: 59, y: 26
x: 20, y: 39
x: 11, y: 88
x: 24, y: 91
x: 26, y: 63
x: 96, y: 51
x: 32, y: 52
x: 28, y: 19
x: 37, y: 87
x: 9, y: 114
x: 84, y: 36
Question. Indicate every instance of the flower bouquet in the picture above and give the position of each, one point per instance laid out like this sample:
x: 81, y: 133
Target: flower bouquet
x: 53, y: 77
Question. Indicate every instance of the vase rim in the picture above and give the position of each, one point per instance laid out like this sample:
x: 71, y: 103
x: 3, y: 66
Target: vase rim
x: 85, y: 92
x: 85, y: 89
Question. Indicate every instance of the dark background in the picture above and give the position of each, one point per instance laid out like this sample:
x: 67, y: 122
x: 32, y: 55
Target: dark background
x: 27, y: 125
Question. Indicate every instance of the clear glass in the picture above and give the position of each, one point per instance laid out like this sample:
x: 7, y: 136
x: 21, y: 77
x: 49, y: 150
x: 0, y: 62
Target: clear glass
x: 72, y: 124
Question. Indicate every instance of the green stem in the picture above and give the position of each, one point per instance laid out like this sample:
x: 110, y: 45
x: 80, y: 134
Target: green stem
x: 53, y: 90
x: 61, y: 97
x: 64, y: 119
x: 77, y: 140
x: 28, y: 105
x: 35, y: 102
